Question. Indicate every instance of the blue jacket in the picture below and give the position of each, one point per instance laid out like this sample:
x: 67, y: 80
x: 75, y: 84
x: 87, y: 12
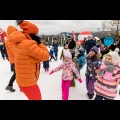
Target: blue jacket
x: 89, y: 44
x: 51, y: 52
x: 55, y: 46
x: 108, y: 41
x: 81, y: 61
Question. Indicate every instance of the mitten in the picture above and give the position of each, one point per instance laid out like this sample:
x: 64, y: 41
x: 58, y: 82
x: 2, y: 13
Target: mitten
x: 110, y: 68
x: 51, y: 72
x: 80, y: 80
x: 100, y: 73
x: 36, y: 38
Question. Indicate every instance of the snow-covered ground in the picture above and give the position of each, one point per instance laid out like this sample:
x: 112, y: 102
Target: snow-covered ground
x: 50, y: 85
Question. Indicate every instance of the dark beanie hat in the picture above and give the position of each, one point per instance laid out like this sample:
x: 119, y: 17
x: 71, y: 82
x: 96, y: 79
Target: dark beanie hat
x: 95, y: 49
x: 55, y: 38
x: 69, y: 37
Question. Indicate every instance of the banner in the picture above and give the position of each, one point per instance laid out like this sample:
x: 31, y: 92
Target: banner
x: 3, y: 35
x: 74, y: 36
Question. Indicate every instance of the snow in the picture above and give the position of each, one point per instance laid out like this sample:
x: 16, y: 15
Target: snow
x: 50, y: 85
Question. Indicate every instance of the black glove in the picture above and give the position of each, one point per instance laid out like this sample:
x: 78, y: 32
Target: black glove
x: 36, y: 38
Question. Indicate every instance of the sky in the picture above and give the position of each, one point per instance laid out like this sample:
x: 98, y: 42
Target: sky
x: 53, y: 27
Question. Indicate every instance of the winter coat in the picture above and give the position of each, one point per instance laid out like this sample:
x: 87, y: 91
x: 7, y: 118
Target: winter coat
x: 84, y: 44
x: 93, y: 63
x: 51, y: 52
x: 71, y: 44
x: 89, y: 45
x: 81, y: 61
x: 28, y: 55
x: 68, y: 70
x: 55, y: 46
x: 102, y: 40
x: 10, y: 46
x: 113, y: 47
x: 108, y: 41
x: 107, y: 83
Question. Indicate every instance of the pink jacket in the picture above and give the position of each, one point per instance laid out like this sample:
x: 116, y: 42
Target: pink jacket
x: 68, y: 70
x: 106, y: 84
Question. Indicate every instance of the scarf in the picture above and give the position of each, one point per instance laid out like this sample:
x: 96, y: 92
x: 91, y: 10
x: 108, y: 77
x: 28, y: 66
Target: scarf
x: 106, y: 67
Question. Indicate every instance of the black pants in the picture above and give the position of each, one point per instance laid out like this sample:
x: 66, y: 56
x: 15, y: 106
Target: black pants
x: 73, y: 55
x: 52, y: 57
x: 3, y: 54
x: 46, y: 64
x: 12, y: 79
x: 98, y: 97
x: 12, y: 67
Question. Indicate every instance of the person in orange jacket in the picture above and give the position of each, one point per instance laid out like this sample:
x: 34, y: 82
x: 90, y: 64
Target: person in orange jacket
x: 10, y: 52
x: 29, y: 51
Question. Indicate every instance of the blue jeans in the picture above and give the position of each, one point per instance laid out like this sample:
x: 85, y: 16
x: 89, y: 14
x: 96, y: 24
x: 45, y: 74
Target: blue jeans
x: 56, y: 53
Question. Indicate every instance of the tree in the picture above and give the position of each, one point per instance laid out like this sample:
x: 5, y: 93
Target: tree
x: 112, y: 25
x: 43, y: 36
x: 116, y: 24
x: 104, y: 26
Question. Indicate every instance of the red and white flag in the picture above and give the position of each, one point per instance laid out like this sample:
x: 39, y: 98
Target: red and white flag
x: 74, y: 36
x: 3, y: 35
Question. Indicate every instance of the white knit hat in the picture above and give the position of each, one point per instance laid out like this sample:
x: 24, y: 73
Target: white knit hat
x: 68, y: 54
x: 115, y: 56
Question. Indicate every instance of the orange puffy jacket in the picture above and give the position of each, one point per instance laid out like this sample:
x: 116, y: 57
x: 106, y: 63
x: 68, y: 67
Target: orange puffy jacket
x: 10, y: 46
x: 28, y: 55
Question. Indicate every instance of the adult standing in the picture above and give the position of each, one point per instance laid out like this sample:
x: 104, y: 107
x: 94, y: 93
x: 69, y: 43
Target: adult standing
x: 10, y: 50
x: 29, y: 52
x: 89, y: 44
x: 71, y: 45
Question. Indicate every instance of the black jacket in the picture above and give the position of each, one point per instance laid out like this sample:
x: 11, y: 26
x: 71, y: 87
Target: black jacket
x: 72, y: 44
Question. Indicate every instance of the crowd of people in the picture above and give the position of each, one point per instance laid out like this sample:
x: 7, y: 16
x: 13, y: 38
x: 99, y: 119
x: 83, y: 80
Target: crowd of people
x: 25, y: 50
